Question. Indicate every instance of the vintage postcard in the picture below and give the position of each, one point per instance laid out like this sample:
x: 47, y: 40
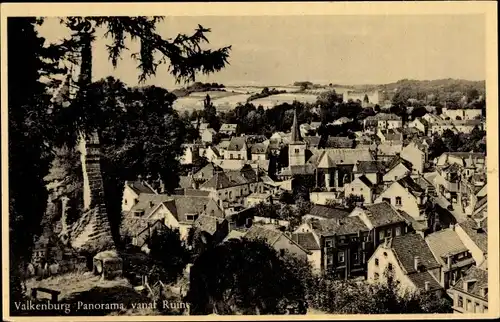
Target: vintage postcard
x: 244, y: 161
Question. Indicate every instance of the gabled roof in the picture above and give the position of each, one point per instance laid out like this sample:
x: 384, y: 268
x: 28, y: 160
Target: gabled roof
x: 408, y: 183
x: 328, y: 212
x: 343, y: 156
x: 237, y: 143
x: 396, y: 161
x: 149, y: 202
x: 206, y: 172
x: 208, y: 223
x: 218, y: 181
x: 187, y: 205
x: 295, y: 135
x: 419, y: 279
x: 382, y: 214
x: 365, y: 180
x: 139, y: 187
x: 445, y: 243
x: 369, y: 167
x: 270, y: 236
x: 306, y: 240
x: 479, y: 279
x: 312, y: 140
x: 383, y: 117
x: 344, y: 226
x: 258, y: 148
x: 479, y: 237
x: 407, y: 247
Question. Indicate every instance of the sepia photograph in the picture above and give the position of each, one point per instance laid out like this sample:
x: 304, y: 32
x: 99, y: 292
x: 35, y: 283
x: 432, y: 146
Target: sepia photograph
x: 247, y: 161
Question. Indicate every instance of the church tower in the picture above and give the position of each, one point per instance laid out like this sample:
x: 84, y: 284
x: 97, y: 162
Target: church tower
x: 296, y: 148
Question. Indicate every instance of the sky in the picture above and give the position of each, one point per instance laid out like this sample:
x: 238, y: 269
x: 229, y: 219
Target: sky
x: 278, y: 50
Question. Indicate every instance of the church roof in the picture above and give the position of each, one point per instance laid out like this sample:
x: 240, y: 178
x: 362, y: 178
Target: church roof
x: 295, y: 129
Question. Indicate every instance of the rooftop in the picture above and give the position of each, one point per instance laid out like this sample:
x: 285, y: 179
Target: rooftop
x: 306, y: 240
x: 445, y: 243
x: 478, y: 281
x: 407, y: 247
x: 344, y: 226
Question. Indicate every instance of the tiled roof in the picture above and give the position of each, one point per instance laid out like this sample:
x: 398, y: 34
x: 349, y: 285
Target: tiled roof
x: 139, y: 187
x: 237, y: 143
x: 185, y: 181
x: 218, y: 181
x: 369, y: 166
x: 397, y: 160
x: 312, y: 140
x: 206, y: 172
x: 299, y: 170
x: 344, y: 226
x: 407, y: 247
x: 306, y: 240
x: 148, y: 202
x: 480, y: 238
x: 223, y: 144
x: 419, y: 279
x: 270, y: 236
x: 343, y: 156
x: 480, y: 276
x: 382, y: 214
x: 418, y: 225
x: 328, y: 212
x: 208, y: 223
x: 445, y: 243
x: 185, y: 205
x: 234, y: 234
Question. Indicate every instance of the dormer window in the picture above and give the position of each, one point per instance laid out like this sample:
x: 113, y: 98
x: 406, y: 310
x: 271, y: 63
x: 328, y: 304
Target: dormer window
x: 191, y: 217
x: 484, y: 291
x: 139, y: 213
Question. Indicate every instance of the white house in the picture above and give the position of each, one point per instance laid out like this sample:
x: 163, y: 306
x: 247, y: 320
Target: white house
x: 462, y: 114
x: 473, y: 234
x: 373, y: 170
x: 259, y: 151
x: 228, y: 129
x: 409, y: 260
x: 207, y: 135
x: 131, y: 192
x: 406, y: 195
x: 309, y: 241
x: 413, y: 154
x: 383, y: 121
x: 237, y: 149
x: 360, y: 186
x: 397, y: 169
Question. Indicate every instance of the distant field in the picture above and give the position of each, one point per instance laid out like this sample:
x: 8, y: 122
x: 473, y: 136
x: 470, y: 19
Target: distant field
x: 273, y: 100
x: 213, y: 94
x: 223, y: 101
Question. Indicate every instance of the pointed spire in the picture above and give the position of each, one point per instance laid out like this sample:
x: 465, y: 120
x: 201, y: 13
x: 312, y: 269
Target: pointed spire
x: 295, y: 128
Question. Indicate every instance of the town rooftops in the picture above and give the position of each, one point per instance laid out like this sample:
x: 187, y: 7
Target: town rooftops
x: 445, y: 243
x: 365, y: 180
x: 270, y: 236
x: 218, y: 181
x: 306, y: 240
x: 408, y: 247
x: 421, y: 278
x: 338, y: 142
x: 475, y: 282
x: 408, y: 183
x: 258, y: 148
x: 395, y: 161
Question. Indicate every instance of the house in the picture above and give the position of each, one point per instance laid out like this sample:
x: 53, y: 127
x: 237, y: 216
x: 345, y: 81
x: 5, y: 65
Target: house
x: 447, y: 181
x: 277, y: 240
x: 372, y: 170
x: 322, y: 212
x: 416, y: 156
x: 409, y: 260
x: 420, y: 124
x: 476, y: 160
x: 383, y: 121
x: 360, y: 186
x: 462, y: 114
x: 228, y: 129
x: 397, y: 168
x: 309, y: 242
x: 207, y: 136
x: 382, y: 220
x: 131, y: 192
x: 216, y: 228
x: 451, y: 254
x: 390, y: 135
x: 211, y: 153
x: 191, y: 152
x: 237, y: 149
x: 175, y: 211
x: 474, y: 235
x: 257, y: 198
x: 388, y: 148
x: 233, y: 185
x: 222, y: 146
x: 406, y: 195
x: 259, y: 151
x: 470, y: 293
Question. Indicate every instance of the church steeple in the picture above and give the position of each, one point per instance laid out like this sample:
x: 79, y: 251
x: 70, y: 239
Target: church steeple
x: 295, y: 129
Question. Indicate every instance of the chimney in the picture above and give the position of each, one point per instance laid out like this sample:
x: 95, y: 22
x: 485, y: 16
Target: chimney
x: 449, y: 261
x: 427, y: 285
x: 417, y: 263
x: 151, y: 204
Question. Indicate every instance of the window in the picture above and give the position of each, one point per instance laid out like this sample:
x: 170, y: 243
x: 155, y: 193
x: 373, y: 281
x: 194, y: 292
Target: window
x: 355, y: 257
x: 361, y: 189
x: 389, y: 232
x: 469, y: 307
x: 388, y: 200
x: 398, y: 231
x: 381, y: 235
x: 385, y: 254
x: 355, y: 239
x: 342, y: 240
x: 282, y: 252
x: 366, y: 238
x: 478, y: 308
x: 191, y: 217
x: 485, y: 309
x: 329, y: 259
x: 376, y: 261
x: 485, y: 292
x: 352, y: 189
x: 328, y: 243
x: 126, y: 201
x: 296, y: 151
x: 398, y: 201
x: 375, y: 276
x: 341, y: 256
x: 230, y: 156
x: 389, y: 267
